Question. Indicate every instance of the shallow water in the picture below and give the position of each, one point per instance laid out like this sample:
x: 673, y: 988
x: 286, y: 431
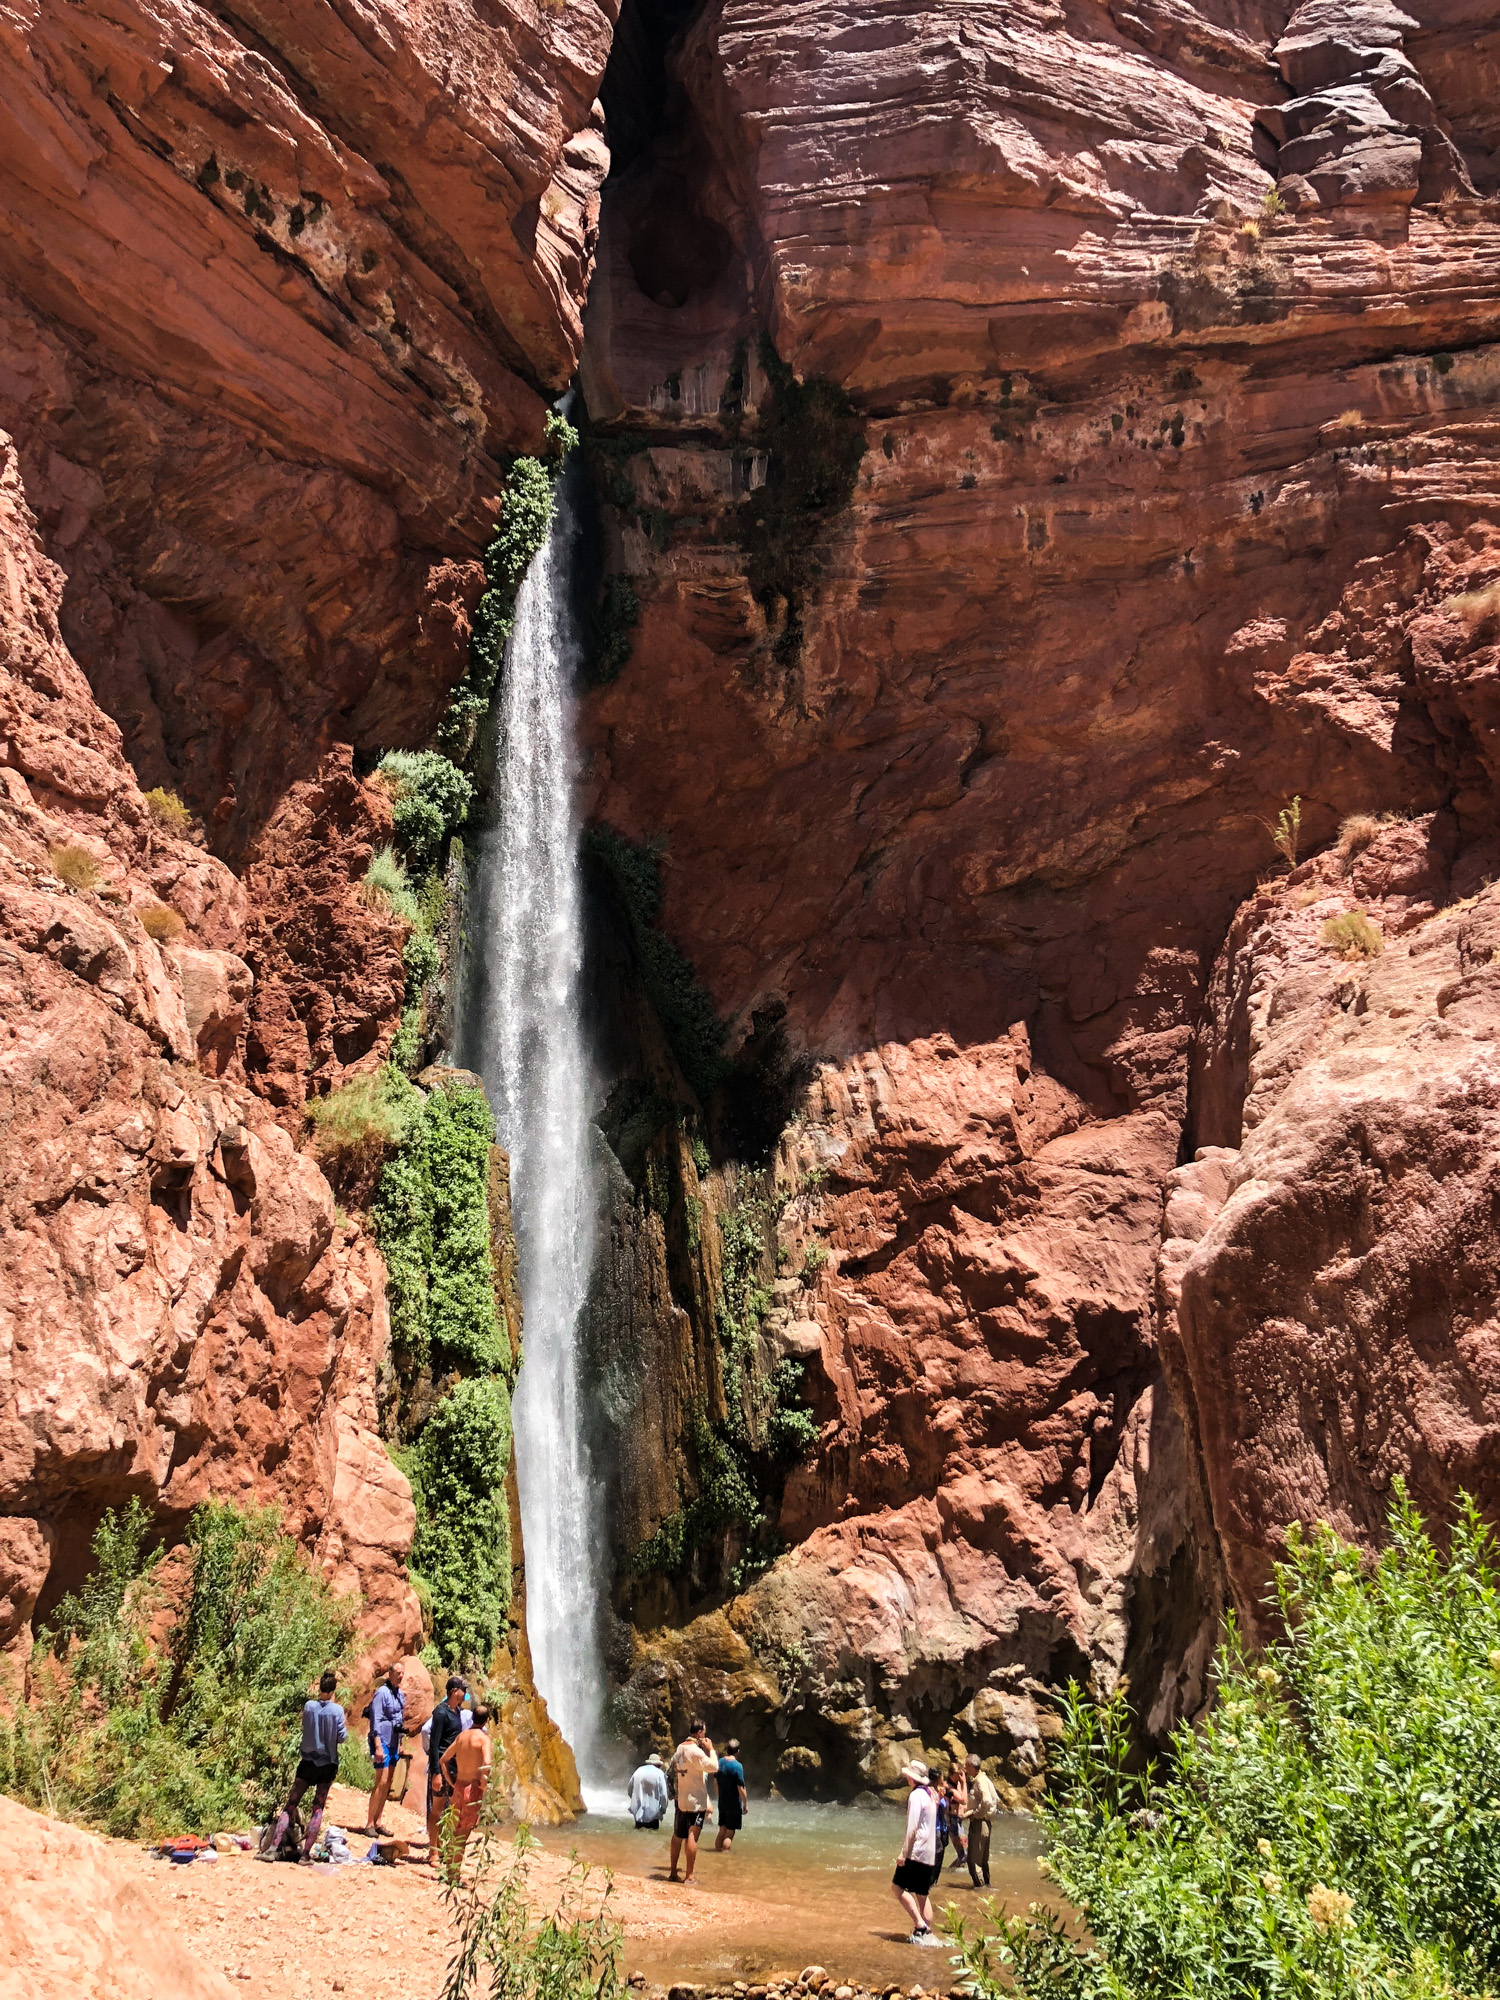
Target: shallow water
x: 820, y: 1878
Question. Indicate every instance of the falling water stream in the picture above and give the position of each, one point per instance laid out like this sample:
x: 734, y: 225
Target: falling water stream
x: 525, y: 1035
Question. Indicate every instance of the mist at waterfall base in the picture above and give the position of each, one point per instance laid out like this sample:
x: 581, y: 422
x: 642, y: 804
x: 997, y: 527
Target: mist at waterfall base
x: 523, y: 1031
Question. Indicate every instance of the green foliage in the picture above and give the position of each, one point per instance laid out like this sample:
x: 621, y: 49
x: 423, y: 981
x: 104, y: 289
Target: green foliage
x: 461, y: 1552
x: 814, y: 1262
x: 525, y: 519
x: 192, y: 1732
x: 432, y: 800
x: 700, y: 1157
x: 612, y: 630
x: 1331, y: 1829
x: 431, y: 1220
x: 686, y: 1013
x: 363, y: 1118
x: 574, y: 1953
x: 1286, y: 834
x: 814, y: 441
x: 1272, y: 206
x: 385, y: 886
x: 1352, y: 935
x: 355, y: 1766
x: 170, y: 814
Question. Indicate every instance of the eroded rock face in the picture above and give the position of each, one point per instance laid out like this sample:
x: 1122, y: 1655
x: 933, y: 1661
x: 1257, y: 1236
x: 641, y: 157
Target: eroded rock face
x: 183, y: 1313
x: 275, y: 296
x: 1329, y: 1273
x: 1166, y: 502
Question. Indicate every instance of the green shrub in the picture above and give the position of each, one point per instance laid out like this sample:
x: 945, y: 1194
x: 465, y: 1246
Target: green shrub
x: 432, y: 800
x: 193, y: 1729
x: 525, y: 519
x: 385, y: 886
x: 170, y: 814
x: 355, y: 1766
x: 431, y: 1220
x: 612, y: 630
x: 814, y: 1262
x: 361, y: 1119
x: 1332, y: 1828
x: 461, y: 1550
x: 574, y: 1953
x: 1352, y: 935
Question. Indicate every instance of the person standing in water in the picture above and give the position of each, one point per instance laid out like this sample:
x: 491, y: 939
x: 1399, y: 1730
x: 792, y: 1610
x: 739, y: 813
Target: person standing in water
x: 731, y: 1796
x: 917, y: 1863
x: 647, y: 1796
x: 697, y: 1770
x: 984, y: 1803
x: 955, y: 1810
x: 466, y: 1765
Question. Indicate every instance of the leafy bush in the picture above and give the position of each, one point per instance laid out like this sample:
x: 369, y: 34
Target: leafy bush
x: 75, y: 866
x: 361, y: 1119
x: 161, y: 924
x: 432, y: 800
x: 167, y: 1713
x: 1333, y: 1826
x: 461, y: 1551
x: 1352, y: 935
x: 431, y: 1219
x: 525, y: 519
x: 611, y: 635
x: 385, y: 886
x: 170, y: 814
x: 574, y: 1953
x: 814, y: 1262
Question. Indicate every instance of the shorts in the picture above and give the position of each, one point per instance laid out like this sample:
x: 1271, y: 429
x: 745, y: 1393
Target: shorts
x: 686, y: 1822
x: 382, y: 1758
x: 320, y: 1775
x: 916, y: 1876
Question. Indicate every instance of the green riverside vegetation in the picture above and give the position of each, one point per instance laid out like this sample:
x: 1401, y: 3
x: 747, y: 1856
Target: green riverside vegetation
x: 195, y: 1729
x: 1331, y: 1829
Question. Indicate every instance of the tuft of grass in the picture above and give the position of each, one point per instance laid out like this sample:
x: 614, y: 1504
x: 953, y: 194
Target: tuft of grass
x: 385, y: 887
x: 170, y: 814
x: 161, y: 924
x: 1272, y: 206
x: 1358, y: 832
x: 1474, y: 606
x: 75, y: 866
x: 362, y: 1119
x: 1349, y: 420
x: 1352, y: 935
x: 1250, y: 230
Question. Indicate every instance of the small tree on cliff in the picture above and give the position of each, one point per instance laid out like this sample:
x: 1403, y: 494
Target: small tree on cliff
x: 1331, y: 1828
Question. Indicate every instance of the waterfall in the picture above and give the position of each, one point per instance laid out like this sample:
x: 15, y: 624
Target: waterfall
x: 524, y: 1034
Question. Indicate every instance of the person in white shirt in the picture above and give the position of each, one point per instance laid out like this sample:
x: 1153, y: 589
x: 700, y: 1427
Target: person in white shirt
x: 648, y: 1794
x: 917, y: 1863
x: 697, y: 1770
x: 984, y: 1803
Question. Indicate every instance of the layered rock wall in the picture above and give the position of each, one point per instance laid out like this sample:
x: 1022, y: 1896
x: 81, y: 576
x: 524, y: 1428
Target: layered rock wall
x: 1167, y: 333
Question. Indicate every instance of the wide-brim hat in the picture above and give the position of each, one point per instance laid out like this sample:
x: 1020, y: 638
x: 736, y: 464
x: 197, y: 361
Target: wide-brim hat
x: 916, y: 1771
x: 658, y: 1760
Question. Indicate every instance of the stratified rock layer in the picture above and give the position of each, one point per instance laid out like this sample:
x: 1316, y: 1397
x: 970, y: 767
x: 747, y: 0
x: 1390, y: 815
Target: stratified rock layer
x: 1178, y: 453
x: 277, y: 291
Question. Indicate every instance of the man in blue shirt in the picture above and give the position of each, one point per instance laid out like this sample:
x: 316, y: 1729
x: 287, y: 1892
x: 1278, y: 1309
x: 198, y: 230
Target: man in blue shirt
x: 323, y: 1730
x: 731, y: 1795
x: 387, y: 1720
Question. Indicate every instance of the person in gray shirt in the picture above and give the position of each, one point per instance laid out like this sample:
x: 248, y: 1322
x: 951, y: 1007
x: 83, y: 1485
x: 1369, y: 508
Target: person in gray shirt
x: 323, y: 1730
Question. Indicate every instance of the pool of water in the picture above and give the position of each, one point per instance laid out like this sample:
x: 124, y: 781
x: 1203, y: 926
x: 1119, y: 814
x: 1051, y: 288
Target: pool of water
x: 818, y: 1878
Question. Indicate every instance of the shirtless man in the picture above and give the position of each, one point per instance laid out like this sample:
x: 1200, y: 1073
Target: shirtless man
x: 466, y: 1764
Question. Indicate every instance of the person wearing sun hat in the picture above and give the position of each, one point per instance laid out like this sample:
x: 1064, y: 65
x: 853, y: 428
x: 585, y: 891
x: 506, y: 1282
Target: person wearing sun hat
x: 917, y: 1863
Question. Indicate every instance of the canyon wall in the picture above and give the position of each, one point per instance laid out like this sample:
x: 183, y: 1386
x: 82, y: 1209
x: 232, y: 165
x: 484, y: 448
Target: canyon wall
x: 280, y: 294
x: 1165, y: 335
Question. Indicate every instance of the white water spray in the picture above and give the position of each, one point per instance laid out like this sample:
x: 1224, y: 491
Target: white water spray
x: 527, y: 1041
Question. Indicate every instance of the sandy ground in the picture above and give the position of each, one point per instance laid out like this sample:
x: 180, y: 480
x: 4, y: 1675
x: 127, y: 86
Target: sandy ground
x: 301, y: 1933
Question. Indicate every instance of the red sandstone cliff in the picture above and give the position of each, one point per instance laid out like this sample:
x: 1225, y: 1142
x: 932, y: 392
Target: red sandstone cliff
x: 1168, y: 332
